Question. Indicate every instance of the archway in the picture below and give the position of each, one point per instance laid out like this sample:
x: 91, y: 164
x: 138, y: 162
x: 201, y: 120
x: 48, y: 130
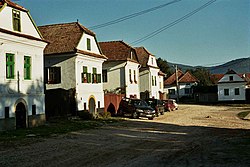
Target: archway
x: 92, y: 105
x: 20, y: 116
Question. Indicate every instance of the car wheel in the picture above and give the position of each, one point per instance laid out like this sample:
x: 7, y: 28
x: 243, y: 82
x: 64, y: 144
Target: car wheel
x: 135, y: 115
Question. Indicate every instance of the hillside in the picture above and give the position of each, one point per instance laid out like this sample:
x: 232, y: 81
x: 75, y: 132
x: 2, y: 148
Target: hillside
x: 241, y: 65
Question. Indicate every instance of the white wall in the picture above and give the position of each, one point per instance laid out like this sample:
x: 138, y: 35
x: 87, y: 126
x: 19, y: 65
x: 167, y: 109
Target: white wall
x: 155, y: 88
x: 27, y: 26
x: 84, y: 91
x: 132, y: 88
x: 231, y: 87
x: 32, y: 91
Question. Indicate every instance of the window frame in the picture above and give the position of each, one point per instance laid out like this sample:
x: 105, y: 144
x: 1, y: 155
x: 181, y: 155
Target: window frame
x: 10, y: 66
x: 54, y: 75
x: 88, y: 44
x: 226, y: 92
x: 236, y: 91
x: 27, y: 68
x: 104, y: 76
x: 16, y: 17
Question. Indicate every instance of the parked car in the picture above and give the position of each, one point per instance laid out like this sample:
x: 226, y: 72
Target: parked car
x: 157, y: 105
x: 170, y: 105
x: 135, y: 108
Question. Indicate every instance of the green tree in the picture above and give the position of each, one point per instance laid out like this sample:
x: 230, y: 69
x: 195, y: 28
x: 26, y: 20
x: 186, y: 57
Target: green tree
x: 164, y: 67
x: 203, y: 75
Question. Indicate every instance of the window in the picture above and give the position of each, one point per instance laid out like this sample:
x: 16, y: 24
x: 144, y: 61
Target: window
x: 226, y: 92
x: 104, y: 76
x: 99, y: 104
x: 130, y: 76
x: 153, y: 82
x: 85, y: 106
x: 88, y: 44
x: 152, y: 61
x: 171, y: 91
x: 54, y: 75
x: 27, y: 67
x: 10, y: 63
x: 84, y: 74
x: 16, y: 20
x: 237, y: 91
x: 231, y: 78
x: 33, y: 109
x: 94, y: 75
x: 135, y: 76
x: 187, y: 91
x: 7, y: 112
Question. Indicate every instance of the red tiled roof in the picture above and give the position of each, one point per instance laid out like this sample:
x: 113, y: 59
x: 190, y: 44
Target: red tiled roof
x: 188, y: 78
x: 13, y: 5
x: 172, y: 79
x: 64, y: 38
x: 118, y: 50
x: 143, y: 55
x: 215, y: 78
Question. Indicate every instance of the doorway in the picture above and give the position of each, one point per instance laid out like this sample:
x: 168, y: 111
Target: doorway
x: 20, y: 116
x: 92, y: 105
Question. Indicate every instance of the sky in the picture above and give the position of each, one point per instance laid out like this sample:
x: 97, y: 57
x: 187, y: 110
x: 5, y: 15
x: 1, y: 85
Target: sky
x: 215, y: 35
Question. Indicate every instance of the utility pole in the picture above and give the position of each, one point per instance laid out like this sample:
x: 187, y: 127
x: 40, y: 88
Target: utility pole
x: 177, y: 83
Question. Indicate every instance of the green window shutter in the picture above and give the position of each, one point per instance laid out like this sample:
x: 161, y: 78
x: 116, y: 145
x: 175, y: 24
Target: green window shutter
x: 10, y: 63
x: 16, y: 20
x: 94, y: 75
x: 99, y: 78
x: 27, y: 67
x: 88, y: 44
x: 89, y: 77
x: 85, y: 69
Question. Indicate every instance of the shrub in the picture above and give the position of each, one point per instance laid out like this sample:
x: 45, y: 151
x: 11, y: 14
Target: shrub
x: 85, y: 115
x: 105, y: 114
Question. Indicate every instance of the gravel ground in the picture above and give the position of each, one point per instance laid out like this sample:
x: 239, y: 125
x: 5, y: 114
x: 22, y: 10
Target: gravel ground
x: 194, y: 135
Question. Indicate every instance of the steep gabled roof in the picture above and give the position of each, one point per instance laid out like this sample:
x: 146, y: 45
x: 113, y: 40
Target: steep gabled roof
x: 172, y: 79
x: 143, y: 55
x: 182, y: 78
x: 118, y: 50
x: 12, y: 4
x: 64, y: 38
x: 188, y: 78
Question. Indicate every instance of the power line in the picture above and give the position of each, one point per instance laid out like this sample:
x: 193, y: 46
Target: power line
x: 131, y: 15
x: 154, y: 33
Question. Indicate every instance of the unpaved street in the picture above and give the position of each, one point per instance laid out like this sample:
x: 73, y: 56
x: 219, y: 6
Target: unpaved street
x: 192, y: 136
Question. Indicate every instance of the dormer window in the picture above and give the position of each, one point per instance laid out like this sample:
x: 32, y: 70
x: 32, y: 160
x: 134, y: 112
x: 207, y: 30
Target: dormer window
x: 152, y: 61
x: 231, y: 78
x: 88, y: 44
x: 16, y: 20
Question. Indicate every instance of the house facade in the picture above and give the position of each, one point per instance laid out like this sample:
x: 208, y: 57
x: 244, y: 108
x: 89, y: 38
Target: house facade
x: 121, y: 71
x: 73, y: 65
x: 151, y: 78
x: 21, y: 78
x: 185, y: 83
x: 232, y: 87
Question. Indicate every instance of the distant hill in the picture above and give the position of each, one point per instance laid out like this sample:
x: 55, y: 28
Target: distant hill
x: 241, y: 65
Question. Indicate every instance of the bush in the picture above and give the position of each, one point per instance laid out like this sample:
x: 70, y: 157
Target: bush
x: 105, y: 114
x: 85, y: 115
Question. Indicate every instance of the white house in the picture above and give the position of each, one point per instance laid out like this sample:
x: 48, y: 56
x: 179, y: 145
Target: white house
x: 73, y: 64
x: 121, y: 71
x: 186, y: 81
x: 231, y: 87
x: 151, y: 78
x: 21, y: 75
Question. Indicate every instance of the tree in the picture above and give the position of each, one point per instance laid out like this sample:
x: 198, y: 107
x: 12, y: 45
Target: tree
x: 164, y: 67
x: 203, y: 75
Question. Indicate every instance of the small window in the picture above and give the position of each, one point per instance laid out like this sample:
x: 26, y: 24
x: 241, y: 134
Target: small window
x: 33, y: 109
x: 94, y: 75
x: 104, y: 76
x: 153, y: 82
x: 231, y: 78
x: 7, y: 112
x: 135, y: 76
x: 171, y: 91
x: 27, y: 67
x: 130, y: 76
x: 99, y: 104
x: 88, y: 44
x: 187, y: 91
x: 152, y: 61
x: 237, y: 91
x: 16, y: 20
x: 226, y: 92
x: 54, y: 75
x: 10, y: 63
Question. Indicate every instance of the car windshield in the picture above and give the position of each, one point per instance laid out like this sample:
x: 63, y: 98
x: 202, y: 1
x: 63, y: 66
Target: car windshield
x: 139, y: 103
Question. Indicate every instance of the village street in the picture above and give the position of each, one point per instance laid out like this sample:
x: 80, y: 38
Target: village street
x: 194, y: 135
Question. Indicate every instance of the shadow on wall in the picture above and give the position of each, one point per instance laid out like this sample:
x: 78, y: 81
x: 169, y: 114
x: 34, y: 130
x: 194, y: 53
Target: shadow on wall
x: 32, y: 96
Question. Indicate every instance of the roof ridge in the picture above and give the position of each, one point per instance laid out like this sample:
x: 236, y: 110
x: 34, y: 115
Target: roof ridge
x: 57, y: 24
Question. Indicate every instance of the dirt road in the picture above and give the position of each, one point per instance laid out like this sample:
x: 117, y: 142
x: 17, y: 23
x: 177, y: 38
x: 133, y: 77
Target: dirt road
x: 192, y: 136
